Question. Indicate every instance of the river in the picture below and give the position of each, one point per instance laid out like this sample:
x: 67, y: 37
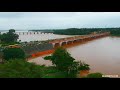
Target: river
x: 103, y: 55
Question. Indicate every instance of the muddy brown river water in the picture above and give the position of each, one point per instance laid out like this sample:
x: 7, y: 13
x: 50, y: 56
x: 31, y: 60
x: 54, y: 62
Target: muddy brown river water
x: 103, y: 55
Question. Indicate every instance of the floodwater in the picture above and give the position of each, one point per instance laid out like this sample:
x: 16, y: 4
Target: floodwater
x: 103, y: 55
x: 39, y: 37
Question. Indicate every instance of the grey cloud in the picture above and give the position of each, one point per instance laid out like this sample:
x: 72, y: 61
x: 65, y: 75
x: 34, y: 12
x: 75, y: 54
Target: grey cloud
x: 52, y: 20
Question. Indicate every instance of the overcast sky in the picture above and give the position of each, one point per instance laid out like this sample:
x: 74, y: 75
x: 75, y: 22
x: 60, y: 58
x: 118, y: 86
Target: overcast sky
x: 58, y: 20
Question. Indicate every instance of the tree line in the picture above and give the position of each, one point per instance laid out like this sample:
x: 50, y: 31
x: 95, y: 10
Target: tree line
x: 81, y: 31
x: 86, y: 31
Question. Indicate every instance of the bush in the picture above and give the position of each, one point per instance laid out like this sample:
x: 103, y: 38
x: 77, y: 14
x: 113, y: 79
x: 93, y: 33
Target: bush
x: 13, y: 53
x: 20, y: 69
x: 94, y: 75
x: 61, y: 59
x: 23, y: 69
x: 56, y: 75
x: 65, y: 63
x: 83, y: 66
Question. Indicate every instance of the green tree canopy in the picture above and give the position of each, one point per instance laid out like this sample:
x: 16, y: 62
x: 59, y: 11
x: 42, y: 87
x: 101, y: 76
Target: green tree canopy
x: 9, y: 37
x: 13, y: 53
x: 61, y: 59
x: 12, y: 31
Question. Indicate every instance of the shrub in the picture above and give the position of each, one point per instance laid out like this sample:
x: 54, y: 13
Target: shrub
x: 23, y: 69
x: 20, y: 69
x: 94, y: 75
x: 61, y: 59
x: 13, y: 53
x: 83, y: 66
x: 56, y: 75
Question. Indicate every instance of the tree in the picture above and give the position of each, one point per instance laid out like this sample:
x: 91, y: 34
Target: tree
x: 13, y: 53
x: 12, y: 31
x: 83, y: 66
x: 9, y: 37
x: 61, y: 59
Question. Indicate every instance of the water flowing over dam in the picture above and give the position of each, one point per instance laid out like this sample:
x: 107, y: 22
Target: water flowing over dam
x: 35, y: 49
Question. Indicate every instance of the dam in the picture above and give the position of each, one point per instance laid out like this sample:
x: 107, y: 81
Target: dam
x: 38, y: 48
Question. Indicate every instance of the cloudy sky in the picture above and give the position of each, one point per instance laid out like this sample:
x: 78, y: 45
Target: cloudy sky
x: 58, y: 20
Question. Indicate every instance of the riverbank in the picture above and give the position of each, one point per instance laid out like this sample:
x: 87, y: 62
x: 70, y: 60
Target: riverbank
x: 47, y: 52
x: 39, y: 54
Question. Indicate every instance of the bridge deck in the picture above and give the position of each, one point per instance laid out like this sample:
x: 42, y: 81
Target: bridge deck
x: 78, y: 37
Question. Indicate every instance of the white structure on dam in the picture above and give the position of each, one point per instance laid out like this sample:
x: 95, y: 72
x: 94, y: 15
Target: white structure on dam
x: 38, y: 36
x: 31, y: 33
